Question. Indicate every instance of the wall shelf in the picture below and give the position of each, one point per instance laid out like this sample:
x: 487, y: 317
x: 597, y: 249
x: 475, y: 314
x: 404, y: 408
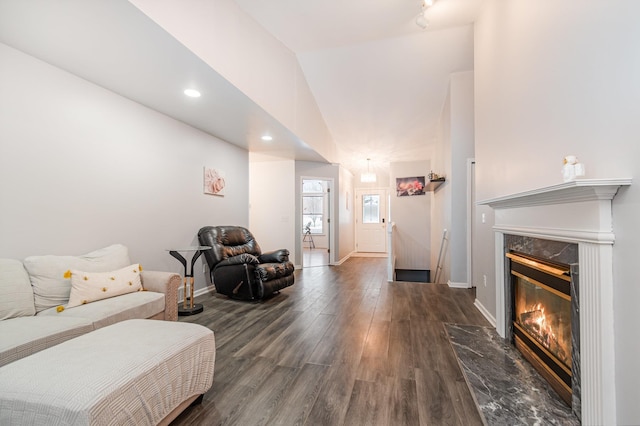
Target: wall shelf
x: 432, y: 185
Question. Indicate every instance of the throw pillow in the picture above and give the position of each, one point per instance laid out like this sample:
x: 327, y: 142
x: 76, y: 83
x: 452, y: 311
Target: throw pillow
x: 46, y: 273
x: 16, y: 296
x: 87, y: 287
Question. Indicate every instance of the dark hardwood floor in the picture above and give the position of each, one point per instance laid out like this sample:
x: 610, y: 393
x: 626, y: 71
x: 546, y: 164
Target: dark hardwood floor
x: 342, y: 346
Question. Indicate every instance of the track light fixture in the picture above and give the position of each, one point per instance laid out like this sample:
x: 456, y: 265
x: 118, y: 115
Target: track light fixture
x: 421, y: 19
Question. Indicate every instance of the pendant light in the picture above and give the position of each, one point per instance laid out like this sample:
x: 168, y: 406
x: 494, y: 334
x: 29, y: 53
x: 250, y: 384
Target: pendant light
x: 368, y: 177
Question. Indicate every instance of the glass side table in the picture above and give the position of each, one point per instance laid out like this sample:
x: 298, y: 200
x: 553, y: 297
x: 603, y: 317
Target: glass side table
x: 188, y: 307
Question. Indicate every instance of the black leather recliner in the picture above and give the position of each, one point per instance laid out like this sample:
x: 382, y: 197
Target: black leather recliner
x: 238, y: 267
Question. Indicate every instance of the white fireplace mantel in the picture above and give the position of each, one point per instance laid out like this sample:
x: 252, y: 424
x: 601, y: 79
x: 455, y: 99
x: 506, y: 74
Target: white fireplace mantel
x: 580, y: 212
x: 568, y: 192
x: 576, y: 211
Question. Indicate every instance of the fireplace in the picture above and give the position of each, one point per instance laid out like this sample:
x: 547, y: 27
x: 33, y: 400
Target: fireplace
x: 541, y: 318
x: 578, y: 213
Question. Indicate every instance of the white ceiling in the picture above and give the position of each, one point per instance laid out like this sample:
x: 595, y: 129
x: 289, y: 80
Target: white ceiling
x: 379, y: 80
x: 317, y: 25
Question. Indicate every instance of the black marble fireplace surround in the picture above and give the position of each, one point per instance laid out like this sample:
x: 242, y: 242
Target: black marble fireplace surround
x: 554, y: 251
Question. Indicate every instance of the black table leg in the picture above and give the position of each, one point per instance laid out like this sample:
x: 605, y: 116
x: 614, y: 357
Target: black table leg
x: 188, y: 308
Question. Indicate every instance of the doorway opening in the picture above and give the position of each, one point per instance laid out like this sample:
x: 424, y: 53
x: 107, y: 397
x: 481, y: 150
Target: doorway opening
x: 316, y: 220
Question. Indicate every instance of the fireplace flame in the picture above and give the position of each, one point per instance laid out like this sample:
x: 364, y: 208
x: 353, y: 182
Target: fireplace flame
x: 534, y: 320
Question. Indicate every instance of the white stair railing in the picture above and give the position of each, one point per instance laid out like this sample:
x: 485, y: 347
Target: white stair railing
x: 391, y: 260
x: 439, y: 265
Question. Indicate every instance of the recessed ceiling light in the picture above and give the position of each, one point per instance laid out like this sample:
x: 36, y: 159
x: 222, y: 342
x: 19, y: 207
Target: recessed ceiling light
x: 192, y: 93
x: 267, y: 138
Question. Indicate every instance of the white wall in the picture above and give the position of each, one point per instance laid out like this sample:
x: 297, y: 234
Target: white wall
x: 462, y: 149
x: 484, y: 276
x: 551, y: 80
x: 455, y: 145
x: 272, y: 187
x: 82, y: 168
x: 411, y: 215
x: 346, y: 214
x: 441, y: 198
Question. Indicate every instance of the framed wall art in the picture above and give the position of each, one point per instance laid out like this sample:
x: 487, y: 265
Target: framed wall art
x: 214, y: 181
x: 409, y: 186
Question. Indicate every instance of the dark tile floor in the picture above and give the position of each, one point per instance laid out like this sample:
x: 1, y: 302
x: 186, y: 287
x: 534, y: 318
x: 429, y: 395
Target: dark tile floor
x: 506, y: 388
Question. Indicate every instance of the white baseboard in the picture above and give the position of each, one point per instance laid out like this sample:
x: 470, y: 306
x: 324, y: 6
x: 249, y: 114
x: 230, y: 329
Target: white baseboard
x: 457, y: 285
x: 196, y: 293
x: 485, y: 312
x: 344, y: 259
x: 363, y: 254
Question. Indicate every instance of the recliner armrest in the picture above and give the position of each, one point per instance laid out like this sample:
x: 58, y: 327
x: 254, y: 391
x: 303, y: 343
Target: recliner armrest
x: 166, y: 283
x: 276, y: 256
x: 239, y: 260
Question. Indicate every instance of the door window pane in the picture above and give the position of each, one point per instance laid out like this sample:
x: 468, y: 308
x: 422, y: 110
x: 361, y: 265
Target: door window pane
x: 371, y: 209
x: 312, y: 185
x: 312, y: 208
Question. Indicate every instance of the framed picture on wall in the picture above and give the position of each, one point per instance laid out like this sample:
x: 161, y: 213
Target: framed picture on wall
x: 214, y: 181
x: 409, y: 186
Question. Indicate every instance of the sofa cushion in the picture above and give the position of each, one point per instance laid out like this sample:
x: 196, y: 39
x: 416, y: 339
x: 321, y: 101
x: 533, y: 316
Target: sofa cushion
x: 16, y: 295
x: 51, y: 288
x: 138, y: 305
x: 87, y: 287
x: 23, y: 336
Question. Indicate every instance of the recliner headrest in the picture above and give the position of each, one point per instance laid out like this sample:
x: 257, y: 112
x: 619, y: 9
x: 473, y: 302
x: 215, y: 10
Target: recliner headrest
x: 227, y: 241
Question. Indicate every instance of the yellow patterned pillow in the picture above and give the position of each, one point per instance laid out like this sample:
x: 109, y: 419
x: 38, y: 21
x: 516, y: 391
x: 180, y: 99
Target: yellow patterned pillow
x: 89, y: 287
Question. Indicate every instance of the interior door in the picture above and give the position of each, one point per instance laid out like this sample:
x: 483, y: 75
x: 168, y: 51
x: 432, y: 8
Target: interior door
x: 371, y: 216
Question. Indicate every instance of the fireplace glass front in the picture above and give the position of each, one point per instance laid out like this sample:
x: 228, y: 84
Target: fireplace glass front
x: 545, y: 316
x: 541, y: 315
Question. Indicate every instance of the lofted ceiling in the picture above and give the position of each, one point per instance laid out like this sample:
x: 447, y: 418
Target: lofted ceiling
x: 379, y: 80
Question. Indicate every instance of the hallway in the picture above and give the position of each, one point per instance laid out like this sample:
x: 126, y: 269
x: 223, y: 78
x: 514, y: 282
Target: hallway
x: 312, y: 257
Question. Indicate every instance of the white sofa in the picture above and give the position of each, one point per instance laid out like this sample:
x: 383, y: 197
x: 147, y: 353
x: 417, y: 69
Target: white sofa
x: 33, y: 295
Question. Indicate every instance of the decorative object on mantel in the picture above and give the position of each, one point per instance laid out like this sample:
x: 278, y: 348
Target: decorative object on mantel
x: 214, y: 182
x: 409, y: 186
x: 572, y: 168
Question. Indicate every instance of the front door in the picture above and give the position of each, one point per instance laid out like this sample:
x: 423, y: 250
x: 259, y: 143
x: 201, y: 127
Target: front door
x: 371, y: 212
